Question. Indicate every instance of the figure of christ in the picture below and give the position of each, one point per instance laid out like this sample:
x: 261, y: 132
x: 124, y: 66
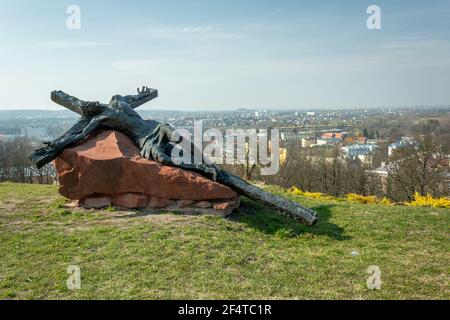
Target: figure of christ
x: 154, y: 141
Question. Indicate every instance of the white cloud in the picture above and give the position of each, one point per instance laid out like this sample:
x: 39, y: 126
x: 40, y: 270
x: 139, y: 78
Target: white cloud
x: 199, y: 32
x: 415, y: 44
x: 198, y: 29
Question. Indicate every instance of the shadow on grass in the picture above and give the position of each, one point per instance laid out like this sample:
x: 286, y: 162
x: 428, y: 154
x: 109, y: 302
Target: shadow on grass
x: 147, y: 213
x: 271, y: 222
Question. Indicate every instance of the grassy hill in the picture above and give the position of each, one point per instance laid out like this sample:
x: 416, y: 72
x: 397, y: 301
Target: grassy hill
x: 254, y: 254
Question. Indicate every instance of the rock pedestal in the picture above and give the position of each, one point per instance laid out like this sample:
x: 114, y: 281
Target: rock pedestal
x: 107, y: 169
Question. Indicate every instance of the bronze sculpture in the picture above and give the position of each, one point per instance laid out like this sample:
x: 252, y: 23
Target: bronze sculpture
x: 154, y: 141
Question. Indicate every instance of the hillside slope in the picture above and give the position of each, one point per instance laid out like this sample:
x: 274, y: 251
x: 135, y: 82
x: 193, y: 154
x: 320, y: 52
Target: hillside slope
x: 255, y: 254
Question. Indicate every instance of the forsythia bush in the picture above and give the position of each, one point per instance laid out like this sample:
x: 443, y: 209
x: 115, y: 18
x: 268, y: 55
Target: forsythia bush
x: 385, y: 202
x: 429, y: 201
x: 351, y: 197
x: 419, y: 201
x: 295, y: 190
x: 312, y: 195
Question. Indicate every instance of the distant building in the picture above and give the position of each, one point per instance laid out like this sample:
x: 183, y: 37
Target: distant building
x: 377, y: 141
x: 385, y: 170
x: 355, y: 140
x: 328, y: 141
x: 308, y: 141
x: 337, y: 135
x: 403, y: 142
x: 285, y: 136
x: 361, y: 152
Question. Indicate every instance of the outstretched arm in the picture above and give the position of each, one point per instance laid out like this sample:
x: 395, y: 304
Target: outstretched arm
x: 83, y: 108
x: 145, y: 95
x: 77, y: 133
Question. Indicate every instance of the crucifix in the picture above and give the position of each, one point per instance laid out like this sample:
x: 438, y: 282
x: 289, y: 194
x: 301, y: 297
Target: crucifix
x: 155, y: 142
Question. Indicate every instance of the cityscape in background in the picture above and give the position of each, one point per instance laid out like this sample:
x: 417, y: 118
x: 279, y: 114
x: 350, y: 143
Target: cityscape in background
x: 360, y: 139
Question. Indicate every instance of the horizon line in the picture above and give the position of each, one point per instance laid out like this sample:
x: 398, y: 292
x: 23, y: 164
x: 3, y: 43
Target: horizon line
x: 56, y: 109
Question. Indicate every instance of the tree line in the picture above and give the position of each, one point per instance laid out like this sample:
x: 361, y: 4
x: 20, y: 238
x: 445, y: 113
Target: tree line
x: 15, y: 165
x: 421, y: 168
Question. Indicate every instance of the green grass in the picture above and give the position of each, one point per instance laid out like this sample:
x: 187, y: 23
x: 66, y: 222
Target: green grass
x: 255, y: 254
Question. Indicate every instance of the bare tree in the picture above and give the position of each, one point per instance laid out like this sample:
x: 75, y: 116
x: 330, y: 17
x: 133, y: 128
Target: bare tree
x: 16, y: 166
x: 416, y: 169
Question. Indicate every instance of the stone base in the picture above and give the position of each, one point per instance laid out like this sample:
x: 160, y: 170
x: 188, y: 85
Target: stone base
x: 155, y: 205
x: 109, y: 163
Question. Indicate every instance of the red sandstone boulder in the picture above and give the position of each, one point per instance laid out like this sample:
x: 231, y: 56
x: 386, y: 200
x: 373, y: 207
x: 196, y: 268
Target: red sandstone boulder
x: 158, y: 203
x: 130, y: 200
x: 96, y: 202
x: 227, y: 205
x: 107, y: 165
x: 185, y: 203
x: 203, y: 204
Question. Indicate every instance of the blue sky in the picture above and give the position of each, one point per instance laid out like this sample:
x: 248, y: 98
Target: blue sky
x: 209, y: 54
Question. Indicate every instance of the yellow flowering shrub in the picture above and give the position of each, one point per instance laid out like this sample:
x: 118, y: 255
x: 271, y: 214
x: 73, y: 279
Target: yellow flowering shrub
x: 353, y: 197
x: 312, y: 195
x: 429, y: 201
x: 385, y: 202
x: 296, y: 191
x: 419, y: 201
